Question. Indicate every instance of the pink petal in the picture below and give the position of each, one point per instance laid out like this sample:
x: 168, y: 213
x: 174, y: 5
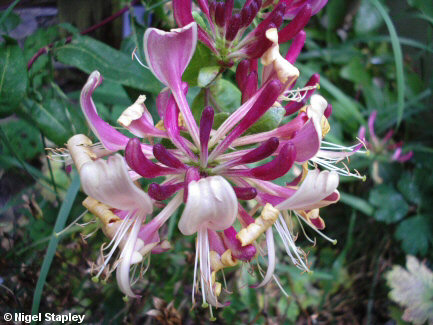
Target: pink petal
x: 111, y: 138
x: 168, y: 55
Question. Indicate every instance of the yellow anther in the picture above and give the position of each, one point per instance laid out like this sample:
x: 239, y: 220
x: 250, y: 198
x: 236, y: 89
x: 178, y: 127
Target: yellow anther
x: 79, y: 147
x: 160, y: 125
x: 284, y: 69
x: 304, y: 170
x: 133, y: 112
x: 227, y: 259
x: 326, y: 127
x: 181, y: 121
x: 110, y: 222
x: 215, y: 261
x: 218, y: 287
x: 267, y: 218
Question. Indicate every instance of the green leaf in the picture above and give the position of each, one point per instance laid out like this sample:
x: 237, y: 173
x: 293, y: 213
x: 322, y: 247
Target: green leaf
x: 227, y: 96
x: 414, y: 234
x: 269, y: 121
x: 8, y: 11
x: 367, y: 19
x: 52, y: 246
x: 391, y: 207
x: 224, y: 96
x: 409, y: 188
x: 219, y: 119
x: 425, y: 6
x: 88, y: 55
x: 398, y: 58
x: 24, y: 137
x: 207, y: 75
x: 10, y: 23
x: 336, y: 11
x: 50, y: 118
x: 357, y: 203
x: 13, y: 77
x: 202, y: 57
x: 355, y: 71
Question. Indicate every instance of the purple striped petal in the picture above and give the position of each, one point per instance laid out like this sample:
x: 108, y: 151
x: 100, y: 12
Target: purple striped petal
x: 245, y: 253
x: 245, y: 193
x: 265, y: 100
x: 328, y: 111
x: 232, y: 27
x: 250, y: 87
x: 244, y: 217
x: 112, y: 139
x: 242, y: 73
x: 180, y: 45
x: 297, y: 24
x: 263, y: 151
x: 162, y: 192
x: 216, y: 243
x: 206, y: 123
x: 296, y: 47
x: 277, y: 167
x: 171, y: 124
x: 138, y: 162
x: 167, y: 158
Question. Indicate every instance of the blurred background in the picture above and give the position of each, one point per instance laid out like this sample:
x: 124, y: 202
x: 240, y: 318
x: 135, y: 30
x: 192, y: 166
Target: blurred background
x: 372, y: 55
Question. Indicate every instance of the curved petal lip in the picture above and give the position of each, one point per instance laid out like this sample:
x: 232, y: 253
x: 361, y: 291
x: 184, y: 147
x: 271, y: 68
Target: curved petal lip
x: 212, y: 203
x: 168, y: 53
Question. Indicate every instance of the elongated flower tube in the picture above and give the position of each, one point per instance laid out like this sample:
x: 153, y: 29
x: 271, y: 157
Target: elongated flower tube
x: 212, y: 171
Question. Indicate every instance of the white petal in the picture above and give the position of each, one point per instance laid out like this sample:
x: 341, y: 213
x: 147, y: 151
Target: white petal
x: 128, y: 257
x: 108, y: 181
x: 316, y: 186
x: 315, y: 112
x: 211, y: 203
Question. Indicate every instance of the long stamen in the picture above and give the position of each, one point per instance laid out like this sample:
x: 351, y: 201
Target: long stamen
x: 73, y: 223
x: 135, y: 56
x: 333, y: 241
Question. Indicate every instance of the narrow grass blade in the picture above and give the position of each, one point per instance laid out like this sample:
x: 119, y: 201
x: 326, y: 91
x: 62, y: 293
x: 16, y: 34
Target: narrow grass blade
x: 52, y: 246
x: 357, y: 203
x: 8, y: 11
x: 398, y: 57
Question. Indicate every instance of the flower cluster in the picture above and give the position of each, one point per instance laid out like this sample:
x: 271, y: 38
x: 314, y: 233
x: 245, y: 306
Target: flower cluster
x: 229, y: 33
x: 211, y: 171
x: 386, y: 148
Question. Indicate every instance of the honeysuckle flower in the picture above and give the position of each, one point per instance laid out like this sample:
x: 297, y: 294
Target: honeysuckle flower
x: 384, y: 147
x: 226, y: 29
x: 212, y: 174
